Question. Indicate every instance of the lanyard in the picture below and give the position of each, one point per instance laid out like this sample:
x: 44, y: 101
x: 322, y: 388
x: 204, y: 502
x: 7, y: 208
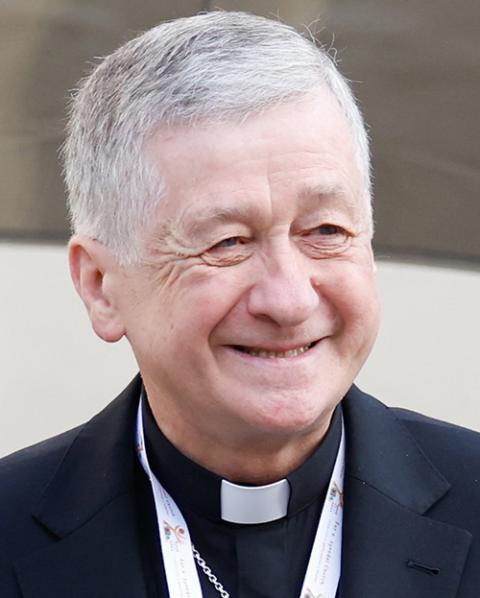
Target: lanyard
x: 323, y: 571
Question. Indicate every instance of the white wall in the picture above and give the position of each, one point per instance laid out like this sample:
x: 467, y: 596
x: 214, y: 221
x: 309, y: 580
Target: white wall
x: 55, y: 373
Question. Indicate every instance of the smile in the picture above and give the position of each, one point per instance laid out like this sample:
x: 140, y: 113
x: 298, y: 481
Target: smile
x: 267, y: 353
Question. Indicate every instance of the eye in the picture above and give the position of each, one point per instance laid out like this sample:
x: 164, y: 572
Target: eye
x: 329, y: 230
x: 326, y: 239
x: 230, y: 242
x: 329, y: 233
x: 228, y: 251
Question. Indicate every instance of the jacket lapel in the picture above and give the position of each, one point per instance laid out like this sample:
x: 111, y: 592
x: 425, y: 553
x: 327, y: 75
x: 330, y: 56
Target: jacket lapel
x: 89, y: 510
x: 391, y: 547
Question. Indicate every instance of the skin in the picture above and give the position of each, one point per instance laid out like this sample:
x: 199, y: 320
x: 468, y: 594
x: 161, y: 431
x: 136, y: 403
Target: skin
x: 260, y: 244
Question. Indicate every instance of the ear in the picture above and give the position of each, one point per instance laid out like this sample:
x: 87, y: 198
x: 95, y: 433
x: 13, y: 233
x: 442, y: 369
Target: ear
x: 91, y: 265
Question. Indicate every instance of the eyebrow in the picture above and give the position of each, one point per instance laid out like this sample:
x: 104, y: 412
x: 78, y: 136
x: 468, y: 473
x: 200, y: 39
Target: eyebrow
x: 328, y: 190
x: 212, y: 215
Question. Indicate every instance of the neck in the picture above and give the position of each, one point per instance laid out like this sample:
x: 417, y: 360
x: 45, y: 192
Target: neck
x: 248, y: 457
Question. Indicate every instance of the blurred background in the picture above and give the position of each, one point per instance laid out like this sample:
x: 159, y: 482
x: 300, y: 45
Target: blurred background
x: 414, y: 67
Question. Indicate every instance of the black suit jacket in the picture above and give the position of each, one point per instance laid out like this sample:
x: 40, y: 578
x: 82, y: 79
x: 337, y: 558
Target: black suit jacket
x: 68, y: 526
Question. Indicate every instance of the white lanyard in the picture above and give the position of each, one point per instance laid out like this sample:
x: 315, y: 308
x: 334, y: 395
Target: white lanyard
x: 323, y: 571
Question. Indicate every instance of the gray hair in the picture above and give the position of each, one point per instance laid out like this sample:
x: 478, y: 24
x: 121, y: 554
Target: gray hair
x: 218, y: 66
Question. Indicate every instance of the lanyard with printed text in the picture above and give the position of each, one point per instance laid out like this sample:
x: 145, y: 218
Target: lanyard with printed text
x: 323, y: 571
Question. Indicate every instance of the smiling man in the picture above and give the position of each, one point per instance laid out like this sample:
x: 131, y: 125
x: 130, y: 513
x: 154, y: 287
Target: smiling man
x: 218, y: 177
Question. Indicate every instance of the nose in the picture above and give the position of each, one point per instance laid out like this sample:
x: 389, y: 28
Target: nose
x: 283, y: 290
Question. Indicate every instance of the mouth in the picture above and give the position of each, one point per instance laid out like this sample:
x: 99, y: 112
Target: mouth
x: 270, y: 354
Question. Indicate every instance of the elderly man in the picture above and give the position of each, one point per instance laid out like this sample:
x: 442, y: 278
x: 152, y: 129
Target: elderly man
x: 218, y: 176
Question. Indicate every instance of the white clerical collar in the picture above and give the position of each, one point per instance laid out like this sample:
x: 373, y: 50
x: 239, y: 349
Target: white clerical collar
x: 254, y: 504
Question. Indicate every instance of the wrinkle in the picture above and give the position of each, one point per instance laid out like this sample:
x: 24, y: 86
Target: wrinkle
x: 170, y: 256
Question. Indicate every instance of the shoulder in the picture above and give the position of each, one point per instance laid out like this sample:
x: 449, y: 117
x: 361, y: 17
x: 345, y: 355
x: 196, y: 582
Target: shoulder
x: 452, y: 448
x: 25, y: 474
x: 103, y: 441
x: 440, y: 440
x: 431, y: 432
x: 376, y: 429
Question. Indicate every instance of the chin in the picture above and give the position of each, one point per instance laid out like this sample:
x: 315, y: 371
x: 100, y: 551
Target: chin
x: 293, y: 415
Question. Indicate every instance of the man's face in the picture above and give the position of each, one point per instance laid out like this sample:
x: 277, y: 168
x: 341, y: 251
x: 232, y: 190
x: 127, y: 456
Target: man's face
x: 257, y: 305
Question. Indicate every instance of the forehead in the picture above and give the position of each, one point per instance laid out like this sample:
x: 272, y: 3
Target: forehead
x: 299, y: 149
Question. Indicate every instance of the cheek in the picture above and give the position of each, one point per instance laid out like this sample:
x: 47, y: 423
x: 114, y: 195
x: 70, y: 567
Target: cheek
x: 355, y: 296
x: 203, y: 302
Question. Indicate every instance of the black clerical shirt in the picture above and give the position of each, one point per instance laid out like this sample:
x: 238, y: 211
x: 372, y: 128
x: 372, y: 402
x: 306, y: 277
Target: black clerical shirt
x: 265, y: 560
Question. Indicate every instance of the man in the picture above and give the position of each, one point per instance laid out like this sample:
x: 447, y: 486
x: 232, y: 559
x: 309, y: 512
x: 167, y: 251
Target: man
x: 218, y: 177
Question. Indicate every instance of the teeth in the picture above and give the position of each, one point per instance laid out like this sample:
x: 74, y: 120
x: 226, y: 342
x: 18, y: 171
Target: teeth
x: 275, y: 354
